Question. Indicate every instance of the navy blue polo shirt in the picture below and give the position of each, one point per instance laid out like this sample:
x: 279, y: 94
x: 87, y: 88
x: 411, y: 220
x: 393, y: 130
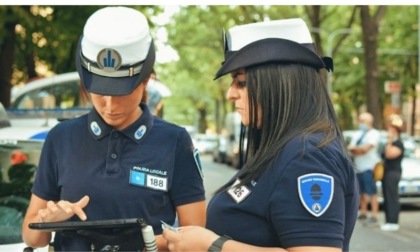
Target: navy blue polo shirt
x: 306, y: 198
x: 143, y: 171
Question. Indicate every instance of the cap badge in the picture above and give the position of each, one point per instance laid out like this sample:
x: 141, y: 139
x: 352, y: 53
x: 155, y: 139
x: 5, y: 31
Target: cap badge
x: 109, y: 60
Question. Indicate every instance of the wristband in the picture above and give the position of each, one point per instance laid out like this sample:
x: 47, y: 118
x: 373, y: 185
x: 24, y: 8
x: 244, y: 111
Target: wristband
x: 217, y: 245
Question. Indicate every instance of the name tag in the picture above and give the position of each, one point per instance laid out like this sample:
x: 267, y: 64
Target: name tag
x: 143, y: 179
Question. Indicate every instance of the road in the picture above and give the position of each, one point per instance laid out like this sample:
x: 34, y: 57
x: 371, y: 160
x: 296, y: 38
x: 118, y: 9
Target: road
x: 405, y: 239
x: 364, y: 239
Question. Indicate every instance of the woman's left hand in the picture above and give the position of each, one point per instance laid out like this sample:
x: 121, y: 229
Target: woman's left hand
x: 189, y: 238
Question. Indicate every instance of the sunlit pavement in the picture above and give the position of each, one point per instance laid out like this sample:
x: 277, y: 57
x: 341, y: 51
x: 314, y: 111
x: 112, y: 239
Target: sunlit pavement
x: 407, y: 238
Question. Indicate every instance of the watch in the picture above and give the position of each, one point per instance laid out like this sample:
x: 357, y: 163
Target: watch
x: 217, y: 245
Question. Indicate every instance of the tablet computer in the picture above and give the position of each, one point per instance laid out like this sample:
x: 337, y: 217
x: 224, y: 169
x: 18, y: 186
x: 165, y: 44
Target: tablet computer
x: 80, y: 225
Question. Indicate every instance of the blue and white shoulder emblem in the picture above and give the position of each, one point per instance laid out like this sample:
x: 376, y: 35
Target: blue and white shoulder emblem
x: 316, y: 191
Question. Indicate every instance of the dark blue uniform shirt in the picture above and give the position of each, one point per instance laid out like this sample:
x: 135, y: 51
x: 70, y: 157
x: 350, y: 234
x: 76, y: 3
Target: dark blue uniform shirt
x: 308, y: 197
x: 143, y: 171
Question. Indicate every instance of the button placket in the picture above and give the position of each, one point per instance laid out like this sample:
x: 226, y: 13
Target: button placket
x: 113, y: 162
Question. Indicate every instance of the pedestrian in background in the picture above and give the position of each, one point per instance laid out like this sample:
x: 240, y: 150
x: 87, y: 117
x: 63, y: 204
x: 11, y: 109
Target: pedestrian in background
x: 364, y: 149
x: 118, y: 161
x: 392, y: 155
x: 297, y: 189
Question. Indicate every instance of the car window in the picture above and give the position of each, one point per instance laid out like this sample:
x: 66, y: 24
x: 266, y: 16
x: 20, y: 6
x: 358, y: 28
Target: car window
x: 411, y: 150
x: 64, y: 96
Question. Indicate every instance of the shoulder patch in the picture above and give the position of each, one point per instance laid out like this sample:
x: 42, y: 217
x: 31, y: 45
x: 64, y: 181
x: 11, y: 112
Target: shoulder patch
x: 198, y: 162
x: 316, y: 191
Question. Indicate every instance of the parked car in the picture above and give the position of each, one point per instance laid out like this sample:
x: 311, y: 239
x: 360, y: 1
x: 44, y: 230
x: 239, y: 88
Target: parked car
x: 204, y: 143
x: 409, y: 185
x: 4, y: 120
x: 219, y: 151
x: 233, y: 131
x: 47, y: 101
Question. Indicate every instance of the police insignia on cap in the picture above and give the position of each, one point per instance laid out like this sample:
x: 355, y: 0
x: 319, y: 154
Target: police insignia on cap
x: 113, y: 58
x: 316, y: 192
x: 109, y: 60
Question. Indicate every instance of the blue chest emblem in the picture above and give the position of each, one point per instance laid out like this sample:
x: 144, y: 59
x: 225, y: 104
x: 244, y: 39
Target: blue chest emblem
x: 316, y: 191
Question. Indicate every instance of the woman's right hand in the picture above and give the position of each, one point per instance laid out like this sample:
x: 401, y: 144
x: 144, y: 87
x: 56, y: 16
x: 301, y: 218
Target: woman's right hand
x: 63, y: 210
x: 40, y: 210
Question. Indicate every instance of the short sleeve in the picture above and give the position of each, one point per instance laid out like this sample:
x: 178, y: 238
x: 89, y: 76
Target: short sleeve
x: 187, y: 184
x: 46, y: 179
x: 293, y: 222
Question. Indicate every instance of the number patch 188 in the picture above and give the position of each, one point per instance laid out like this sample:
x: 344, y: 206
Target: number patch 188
x: 156, y: 182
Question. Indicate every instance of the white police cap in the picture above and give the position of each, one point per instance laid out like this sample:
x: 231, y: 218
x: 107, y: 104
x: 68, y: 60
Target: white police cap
x: 280, y: 41
x: 116, y: 51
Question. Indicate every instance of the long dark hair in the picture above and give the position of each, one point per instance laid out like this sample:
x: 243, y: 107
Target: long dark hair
x: 293, y: 101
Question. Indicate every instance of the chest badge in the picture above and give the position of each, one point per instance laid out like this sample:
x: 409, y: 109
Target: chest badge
x: 316, y: 191
x: 238, y: 194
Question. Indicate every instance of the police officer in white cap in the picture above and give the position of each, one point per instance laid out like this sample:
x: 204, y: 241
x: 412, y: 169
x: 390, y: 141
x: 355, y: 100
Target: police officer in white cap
x: 297, y: 189
x: 118, y: 161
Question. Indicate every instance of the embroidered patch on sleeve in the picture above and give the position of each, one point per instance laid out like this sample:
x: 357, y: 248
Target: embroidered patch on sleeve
x: 316, y: 191
x: 198, y: 162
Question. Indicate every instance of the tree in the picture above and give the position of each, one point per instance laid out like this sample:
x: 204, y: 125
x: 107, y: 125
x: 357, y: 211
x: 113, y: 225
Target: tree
x: 195, y: 34
x: 37, y: 36
x: 398, y: 58
x: 48, y: 36
x: 323, y: 21
x: 7, y: 46
x: 41, y: 36
x: 370, y: 29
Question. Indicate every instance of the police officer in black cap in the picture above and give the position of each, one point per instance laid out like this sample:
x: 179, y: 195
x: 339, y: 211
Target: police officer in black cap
x: 297, y: 189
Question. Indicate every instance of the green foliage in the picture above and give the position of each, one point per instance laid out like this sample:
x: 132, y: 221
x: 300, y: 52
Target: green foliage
x: 399, y: 47
x: 48, y: 35
x: 196, y: 34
